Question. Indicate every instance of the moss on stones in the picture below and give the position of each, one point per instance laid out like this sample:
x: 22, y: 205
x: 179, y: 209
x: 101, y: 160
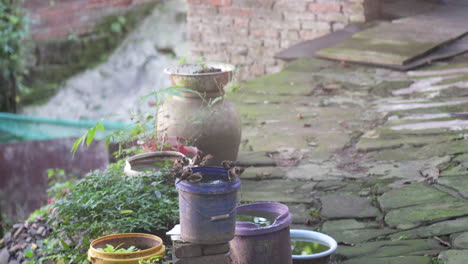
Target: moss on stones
x: 414, y: 216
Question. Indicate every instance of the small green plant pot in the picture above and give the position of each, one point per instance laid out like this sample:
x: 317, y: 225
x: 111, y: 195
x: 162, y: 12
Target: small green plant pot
x: 151, y: 248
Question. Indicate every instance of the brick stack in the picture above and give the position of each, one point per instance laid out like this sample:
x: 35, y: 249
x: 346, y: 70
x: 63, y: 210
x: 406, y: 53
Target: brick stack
x: 249, y: 32
x: 188, y: 253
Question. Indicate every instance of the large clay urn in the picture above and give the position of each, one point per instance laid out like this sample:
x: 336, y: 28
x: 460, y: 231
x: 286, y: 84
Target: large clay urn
x: 204, y: 118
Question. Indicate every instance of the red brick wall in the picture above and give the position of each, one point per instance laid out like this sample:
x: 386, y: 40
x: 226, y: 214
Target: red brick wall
x: 54, y: 19
x: 249, y: 32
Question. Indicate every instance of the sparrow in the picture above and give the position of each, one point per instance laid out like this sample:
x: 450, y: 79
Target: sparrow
x: 196, y: 160
x: 181, y: 162
x: 206, y: 159
x: 235, y: 172
x: 196, y: 177
x: 185, y: 174
x: 227, y: 164
x: 176, y: 172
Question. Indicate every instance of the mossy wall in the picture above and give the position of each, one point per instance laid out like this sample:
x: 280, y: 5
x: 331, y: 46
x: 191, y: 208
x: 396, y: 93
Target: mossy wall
x: 53, y: 61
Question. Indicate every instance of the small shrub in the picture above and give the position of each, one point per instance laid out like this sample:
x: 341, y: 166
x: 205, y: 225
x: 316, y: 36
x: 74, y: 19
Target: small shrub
x: 104, y: 203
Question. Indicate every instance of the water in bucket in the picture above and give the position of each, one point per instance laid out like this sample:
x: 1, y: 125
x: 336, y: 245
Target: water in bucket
x: 262, y: 219
x: 300, y: 247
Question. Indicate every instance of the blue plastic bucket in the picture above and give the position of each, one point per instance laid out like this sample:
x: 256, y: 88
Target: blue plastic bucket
x: 208, y: 209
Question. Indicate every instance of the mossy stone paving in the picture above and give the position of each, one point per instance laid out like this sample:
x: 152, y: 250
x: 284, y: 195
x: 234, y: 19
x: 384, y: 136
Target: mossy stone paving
x: 383, y: 191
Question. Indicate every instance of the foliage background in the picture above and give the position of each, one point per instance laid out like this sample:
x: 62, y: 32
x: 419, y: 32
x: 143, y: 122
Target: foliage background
x: 13, y: 29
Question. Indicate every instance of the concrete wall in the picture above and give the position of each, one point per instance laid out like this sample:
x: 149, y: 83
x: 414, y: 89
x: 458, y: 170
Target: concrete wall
x: 249, y: 32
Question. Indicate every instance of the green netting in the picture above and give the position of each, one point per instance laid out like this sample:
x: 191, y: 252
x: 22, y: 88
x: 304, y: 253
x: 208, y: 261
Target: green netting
x: 15, y: 127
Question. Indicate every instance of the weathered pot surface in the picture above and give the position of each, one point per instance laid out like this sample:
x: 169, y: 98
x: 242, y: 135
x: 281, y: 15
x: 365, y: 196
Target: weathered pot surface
x: 212, y: 126
x: 186, y: 76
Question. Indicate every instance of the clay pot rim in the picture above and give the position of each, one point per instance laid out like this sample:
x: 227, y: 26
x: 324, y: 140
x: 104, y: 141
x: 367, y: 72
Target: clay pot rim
x: 225, y: 68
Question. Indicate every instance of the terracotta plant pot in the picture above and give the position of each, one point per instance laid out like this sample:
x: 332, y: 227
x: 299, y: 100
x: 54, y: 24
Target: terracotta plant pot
x: 207, y: 120
x: 150, y: 246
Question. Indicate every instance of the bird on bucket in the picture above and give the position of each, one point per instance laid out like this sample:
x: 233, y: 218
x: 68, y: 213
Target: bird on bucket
x: 206, y: 159
x: 228, y: 164
x: 187, y: 174
x: 196, y: 177
x: 235, y: 172
x: 198, y: 160
x: 184, y: 174
x: 181, y: 162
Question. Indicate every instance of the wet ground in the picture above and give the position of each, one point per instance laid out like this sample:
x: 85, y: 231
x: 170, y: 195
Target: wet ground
x: 376, y: 158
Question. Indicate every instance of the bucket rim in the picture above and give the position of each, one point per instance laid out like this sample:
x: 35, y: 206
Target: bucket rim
x: 159, y: 249
x: 129, y: 170
x: 316, y: 237
x: 283, y: 220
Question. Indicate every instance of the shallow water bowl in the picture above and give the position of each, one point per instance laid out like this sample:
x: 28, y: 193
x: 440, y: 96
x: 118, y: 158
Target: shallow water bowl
x: 315, y: 237
x: 138, y: 164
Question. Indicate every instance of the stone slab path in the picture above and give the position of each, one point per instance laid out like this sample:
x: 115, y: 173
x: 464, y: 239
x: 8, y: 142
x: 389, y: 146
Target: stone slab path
x: 376, y: 158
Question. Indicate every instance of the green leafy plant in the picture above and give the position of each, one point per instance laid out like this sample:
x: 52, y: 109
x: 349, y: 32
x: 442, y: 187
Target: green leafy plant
x: 235, y: 87
x: 29, y: 255
x: 185, y: 60
x: 143, y: 126
x: 213, y: 101
x: 88, y: 137
x: 104, y: 203
x: 72, y: 36
x: 152, y: 260
x: 118, y: 249
x: 13, y: 29
x: 118, y: 25
x: 60, y: 183
x: 182, y: 61
x: 202, y: 62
